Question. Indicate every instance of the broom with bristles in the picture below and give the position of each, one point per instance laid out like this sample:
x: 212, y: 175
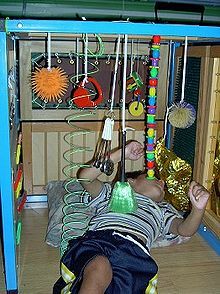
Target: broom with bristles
x: 123, y: 199
x: 182, y: 114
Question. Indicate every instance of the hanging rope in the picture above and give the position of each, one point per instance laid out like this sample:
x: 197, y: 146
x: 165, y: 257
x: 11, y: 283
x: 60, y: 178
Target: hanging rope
x: 115, y: 73
x: 123, y: 199
x: 85, y: 80
x: 182, y: 114
x: 184, y: 71
x: 49, y: 51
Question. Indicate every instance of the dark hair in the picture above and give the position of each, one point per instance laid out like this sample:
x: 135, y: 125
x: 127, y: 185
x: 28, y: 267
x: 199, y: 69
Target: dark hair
x: 134, y: 174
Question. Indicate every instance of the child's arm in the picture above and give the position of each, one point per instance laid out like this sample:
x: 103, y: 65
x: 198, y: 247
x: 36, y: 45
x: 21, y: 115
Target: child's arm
x: 199, y: 197
x: 89, y: 175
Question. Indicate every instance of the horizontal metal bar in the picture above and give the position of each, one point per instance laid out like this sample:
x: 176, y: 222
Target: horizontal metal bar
x: 210, y: 238
x: 118, y: 27
x: 36, y: 198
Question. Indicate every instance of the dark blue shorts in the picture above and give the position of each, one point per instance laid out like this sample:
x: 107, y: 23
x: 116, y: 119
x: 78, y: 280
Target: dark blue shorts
x: 133, y: 269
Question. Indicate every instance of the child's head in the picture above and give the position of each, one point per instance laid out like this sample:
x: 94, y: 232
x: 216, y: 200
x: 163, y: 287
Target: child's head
x: 154, y: 189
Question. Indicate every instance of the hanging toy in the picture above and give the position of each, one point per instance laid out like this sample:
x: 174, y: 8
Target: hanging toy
x: 182, y: 115
x: 136, y: 107
x: 83, y: 97
x: 51, y: 83
x: 134, y: 80
x: 102, y: 158
x: 123, y: 198
x: 134, y: 83
x: 151, y: 107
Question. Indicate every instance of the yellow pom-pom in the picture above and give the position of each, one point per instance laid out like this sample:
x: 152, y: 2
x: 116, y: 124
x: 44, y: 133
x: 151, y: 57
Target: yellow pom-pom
x: 182, y: 115
x: 49, y: 84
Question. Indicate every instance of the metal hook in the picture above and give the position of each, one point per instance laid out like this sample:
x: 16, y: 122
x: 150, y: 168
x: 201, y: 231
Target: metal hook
x: 58, y: 59
x: 108, y: 59
x: 71, y: 59
x: 96, y: 61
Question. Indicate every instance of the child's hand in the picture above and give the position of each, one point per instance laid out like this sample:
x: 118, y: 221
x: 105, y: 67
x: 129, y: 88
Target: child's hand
x: 198, y: 195
x: 134, y: 150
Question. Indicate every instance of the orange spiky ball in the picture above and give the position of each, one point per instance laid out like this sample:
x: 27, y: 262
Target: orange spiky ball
x: 49, y: 84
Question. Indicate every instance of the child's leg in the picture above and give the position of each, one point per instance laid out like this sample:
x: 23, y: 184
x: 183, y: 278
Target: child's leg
x: 97, y: 276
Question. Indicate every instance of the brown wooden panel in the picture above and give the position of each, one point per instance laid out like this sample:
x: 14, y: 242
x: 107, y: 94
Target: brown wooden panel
x: 141, y: 49
x: 193, y: 51
x: 45, y: 146
x: 202, y: 115
x: 215, y: 51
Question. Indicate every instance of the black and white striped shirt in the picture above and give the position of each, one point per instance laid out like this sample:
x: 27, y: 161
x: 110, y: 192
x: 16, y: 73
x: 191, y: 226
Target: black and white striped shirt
x: 150, y: 221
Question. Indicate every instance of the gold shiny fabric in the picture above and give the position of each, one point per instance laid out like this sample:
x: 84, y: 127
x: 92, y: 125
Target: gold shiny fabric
x: 177, y: 175
x: 215, y: 190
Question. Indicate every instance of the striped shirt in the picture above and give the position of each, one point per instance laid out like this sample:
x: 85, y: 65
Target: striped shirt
x: 150, y: 221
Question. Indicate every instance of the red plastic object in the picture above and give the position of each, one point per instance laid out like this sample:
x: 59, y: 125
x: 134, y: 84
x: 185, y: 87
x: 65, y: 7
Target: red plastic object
x: 18, y: 177
x: 82, y: 97
x: 22, y: 202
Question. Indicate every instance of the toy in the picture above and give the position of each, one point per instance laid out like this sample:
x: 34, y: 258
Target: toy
x: 182, y: 114
x: 51, y: 83
x: 134, y: 81
x: 151, y: 107
x: 82, y: 96
x: 136, y: 107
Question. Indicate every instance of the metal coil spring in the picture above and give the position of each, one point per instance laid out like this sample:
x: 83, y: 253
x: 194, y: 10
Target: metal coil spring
x: 76, y: 211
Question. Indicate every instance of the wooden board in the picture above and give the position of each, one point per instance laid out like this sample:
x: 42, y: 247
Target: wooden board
x: 44, y: 148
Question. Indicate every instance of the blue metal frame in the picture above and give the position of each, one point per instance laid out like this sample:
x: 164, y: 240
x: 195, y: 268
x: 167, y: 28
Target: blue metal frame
x: 117, y: 27
x: 6, y: 194
x: 210, y: 238
x: 58, y: 26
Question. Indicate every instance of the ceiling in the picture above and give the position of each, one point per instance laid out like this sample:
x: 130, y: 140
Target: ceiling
x: 132, y: 10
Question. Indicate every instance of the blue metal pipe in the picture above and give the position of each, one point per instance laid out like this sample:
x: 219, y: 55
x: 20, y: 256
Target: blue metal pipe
x: 6, y: 193
x: 119, y: 27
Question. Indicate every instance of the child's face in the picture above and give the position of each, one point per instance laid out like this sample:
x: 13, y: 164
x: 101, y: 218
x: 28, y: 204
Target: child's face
x: 154, y: 189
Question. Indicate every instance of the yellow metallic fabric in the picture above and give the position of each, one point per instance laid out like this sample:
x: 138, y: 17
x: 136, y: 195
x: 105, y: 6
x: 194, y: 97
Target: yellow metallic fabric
x: 177, y: 175
x: 215, y: 190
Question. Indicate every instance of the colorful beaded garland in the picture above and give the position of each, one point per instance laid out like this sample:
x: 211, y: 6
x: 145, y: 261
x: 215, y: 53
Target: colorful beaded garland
x: 151, y: 107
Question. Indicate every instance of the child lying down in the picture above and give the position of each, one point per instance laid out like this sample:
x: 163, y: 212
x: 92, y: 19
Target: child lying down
x: 113, y: 256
